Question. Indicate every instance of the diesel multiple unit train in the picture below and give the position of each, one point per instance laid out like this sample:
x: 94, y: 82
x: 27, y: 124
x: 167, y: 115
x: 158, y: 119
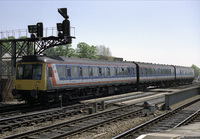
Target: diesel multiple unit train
x: 46, y: 78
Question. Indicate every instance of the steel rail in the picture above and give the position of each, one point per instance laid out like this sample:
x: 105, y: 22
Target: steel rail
x: 188, y: 119
x: 37, y: 117
x: 80, y: 130
x: 154, y: 120
x: 87, y: 118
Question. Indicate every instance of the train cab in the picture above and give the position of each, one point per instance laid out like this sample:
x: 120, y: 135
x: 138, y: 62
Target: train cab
x: 30, y: 78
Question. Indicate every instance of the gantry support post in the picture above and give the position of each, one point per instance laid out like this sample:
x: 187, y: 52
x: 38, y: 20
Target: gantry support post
x: 1, y: 59
x: 13, y: 60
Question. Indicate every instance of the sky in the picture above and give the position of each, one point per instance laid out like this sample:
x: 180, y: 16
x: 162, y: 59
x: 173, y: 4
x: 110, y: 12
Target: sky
x: 155, y: 31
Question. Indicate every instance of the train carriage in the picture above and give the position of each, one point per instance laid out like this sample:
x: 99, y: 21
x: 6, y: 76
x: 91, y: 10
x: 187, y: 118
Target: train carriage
x: 46, y: 78
x: 184, y: 75
x: 155, y: 74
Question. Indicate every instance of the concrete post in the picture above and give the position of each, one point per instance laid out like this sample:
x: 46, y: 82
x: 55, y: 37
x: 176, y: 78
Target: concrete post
x: 95, y: 107
x: 90, y: 110
x: 103, y: 105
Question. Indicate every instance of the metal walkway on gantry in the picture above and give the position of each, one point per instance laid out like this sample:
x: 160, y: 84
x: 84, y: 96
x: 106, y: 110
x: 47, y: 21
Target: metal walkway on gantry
x: 12, y: 49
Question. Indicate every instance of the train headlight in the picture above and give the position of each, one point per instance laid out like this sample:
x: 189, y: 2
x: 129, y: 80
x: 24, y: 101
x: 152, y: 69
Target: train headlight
x: 18, y: 86
x: 36, y: 86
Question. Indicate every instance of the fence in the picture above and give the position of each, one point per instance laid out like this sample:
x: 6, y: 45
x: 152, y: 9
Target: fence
x: 48, y: 31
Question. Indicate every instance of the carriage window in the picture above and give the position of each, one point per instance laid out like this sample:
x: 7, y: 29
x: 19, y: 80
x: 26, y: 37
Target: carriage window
x: 118, y: 71
x: 162, y: 71
x: 80, y: 72
x: 172, y: 71
x: 37, y: 72
x: 50, y: 71
x: 126, y: 71
x: 95, y: 71
x: 103, y: 71
x: 129, y: 71
x: 144, y: 71
x: 85, y: 71
x: 20, y: 71
x: 133, y: 71
x: 154, y: 72
x: 61, y: 71
x: 112, y: 71
x: 68, y: 72
x: 74, y: 71
x: 149, y: 71
x: 121, y: 72
x: 29, y: 71
x: 141, y: 71
x: 108, y: 69
x: 115, y: 73
x: 100, y: 72
x: 90, y: 71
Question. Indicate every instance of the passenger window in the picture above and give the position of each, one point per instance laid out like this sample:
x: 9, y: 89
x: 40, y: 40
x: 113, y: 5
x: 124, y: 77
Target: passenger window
x: 100, y: 72
x: 149, y: 71
x: 20, y: 71
x: 85, y: 71
x: 126, y: 71
x: 133, y: 71
x: 95, y: 72
x: 154, y: 72
x: 90, y: 72
x: 172, y: 71
x: 108, y: 69
x: 50, y: 71
x: 112, y: 71
x: 74, y: 71
x: 145, y: 71
x: 103, y: 72
x: 141, y: 71
x: 80, y: 72
x: 68, y: 72
x: 61, y: 71
x: 116, y: 72
x: 122, y: 71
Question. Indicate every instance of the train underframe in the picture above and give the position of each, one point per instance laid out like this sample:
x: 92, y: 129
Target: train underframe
x: 45, y: 97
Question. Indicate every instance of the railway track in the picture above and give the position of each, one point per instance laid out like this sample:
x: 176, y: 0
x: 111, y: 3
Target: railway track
x: 82, y: 124
x: 172, y: 119
x: 10, y: 123
x: 5, y: 109
x: 17, y: 109
x: 28, y: 117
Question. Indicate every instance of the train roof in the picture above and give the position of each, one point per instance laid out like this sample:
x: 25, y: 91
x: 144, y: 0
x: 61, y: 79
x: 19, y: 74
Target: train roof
x: 62, y: 59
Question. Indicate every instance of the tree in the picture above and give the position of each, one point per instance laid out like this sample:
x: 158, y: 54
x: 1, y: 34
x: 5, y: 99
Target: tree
x: 196, y: 70
x: 104, y: 52
x: 62, y: 50
x: 28, y: 48
x: 83, y: 50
